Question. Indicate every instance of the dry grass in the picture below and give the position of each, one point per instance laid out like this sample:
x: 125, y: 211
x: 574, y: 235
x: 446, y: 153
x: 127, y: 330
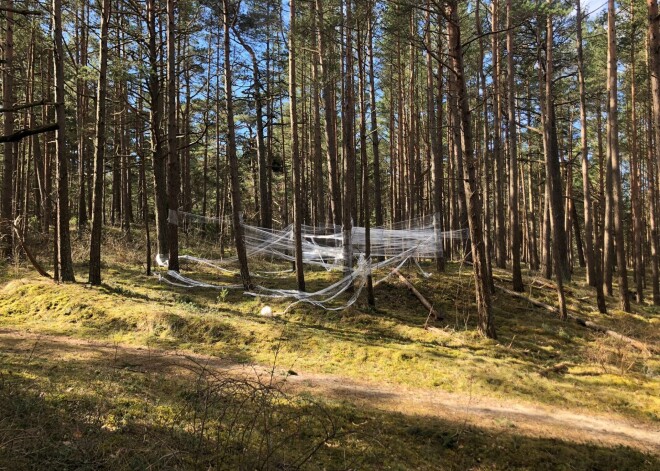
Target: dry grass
x: 387, y: 344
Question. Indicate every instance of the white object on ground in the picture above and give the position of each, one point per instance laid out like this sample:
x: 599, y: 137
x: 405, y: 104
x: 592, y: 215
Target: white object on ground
x: 266, y: 311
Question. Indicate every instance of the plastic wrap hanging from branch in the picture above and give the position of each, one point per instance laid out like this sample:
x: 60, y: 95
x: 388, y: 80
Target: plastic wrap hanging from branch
x: 391, y: 245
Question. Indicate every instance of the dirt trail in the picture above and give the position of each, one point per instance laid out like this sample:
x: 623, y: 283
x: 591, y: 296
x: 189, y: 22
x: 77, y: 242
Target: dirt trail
x: 494, y: 414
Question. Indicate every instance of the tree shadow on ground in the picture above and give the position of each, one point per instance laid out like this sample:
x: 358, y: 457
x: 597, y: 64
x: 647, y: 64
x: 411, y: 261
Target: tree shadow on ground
x: 91, y: 412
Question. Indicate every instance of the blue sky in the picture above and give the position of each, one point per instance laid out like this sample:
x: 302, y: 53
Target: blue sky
x: 592, y: 5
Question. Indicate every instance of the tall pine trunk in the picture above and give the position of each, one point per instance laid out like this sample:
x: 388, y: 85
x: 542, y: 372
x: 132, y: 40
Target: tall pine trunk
x: 473, y: 200
x: 654, y: 161
x: 173, y: 167
x: 513, y: 157
x: 614, y: 158
x: 64, y: 262
x: 295, y: 151
x: 99, y: 151
x: 6, y: 200
x: 237, y: 211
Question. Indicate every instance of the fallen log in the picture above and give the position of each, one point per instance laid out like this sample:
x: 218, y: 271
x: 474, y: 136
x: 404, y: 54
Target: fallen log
x: 432, y: 311
x: 583, y: 322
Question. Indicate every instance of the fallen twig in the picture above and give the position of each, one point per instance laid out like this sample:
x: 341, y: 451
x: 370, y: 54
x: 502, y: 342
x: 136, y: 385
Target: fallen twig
x: 432, y: 312
x: 583, y: 322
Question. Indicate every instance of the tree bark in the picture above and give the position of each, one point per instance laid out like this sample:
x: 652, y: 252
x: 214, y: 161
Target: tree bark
x: 348, y: 138
x: 173, y: 167
x: 295, y: 151
x: 584, y: 149
x: 500, y: 229
x: 63, y: 238
x: 514, y: 220
x: 158, y: 153
x: 552, y: 172
x: 99, y: 151
x: 375, y: 143
x: 613, y: 151
x: 330, y: 114
x: 237, y: 211
x: 6, y: 200
x: 482, y: 286
x: 654, y: 73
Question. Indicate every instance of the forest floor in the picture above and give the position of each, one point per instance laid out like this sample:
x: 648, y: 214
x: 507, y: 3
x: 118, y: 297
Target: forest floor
x: 137, y: 374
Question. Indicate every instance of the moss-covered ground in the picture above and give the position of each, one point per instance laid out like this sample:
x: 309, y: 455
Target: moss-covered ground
x: 156, y: 415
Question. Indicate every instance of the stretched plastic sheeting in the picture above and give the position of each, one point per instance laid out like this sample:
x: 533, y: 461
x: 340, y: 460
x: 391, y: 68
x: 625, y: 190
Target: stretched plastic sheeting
x: 322, y: 246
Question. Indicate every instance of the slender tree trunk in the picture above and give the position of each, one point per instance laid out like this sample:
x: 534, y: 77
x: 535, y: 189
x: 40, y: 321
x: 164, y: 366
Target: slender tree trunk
x: 613, y: 151
x: 500, y: 229
x: 553, y: 171
x: 317, y: 148
x: 487, y: 161
x: 654, y: 162
x: 514, y: 221
x: 237, y: 210
x: 99, y: 151
x: 159, y: 156
x: 265, y: 215
x: 295, y: 151
x: 348, y: 137
x: 375, y: 142
x: 81, y: 115
x: 435, y: 138
x: 173, y: 168
x: 329, y: 109
x: 6, y: 200
x: 584, y: 149
x: 63, y: 239
x: 635, y: 172
x: 482, y: 285
x: 366, y: 209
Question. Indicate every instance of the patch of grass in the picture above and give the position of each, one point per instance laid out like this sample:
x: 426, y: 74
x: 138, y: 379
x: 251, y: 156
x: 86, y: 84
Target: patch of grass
x: 386, y: 344
x: 66, y: 411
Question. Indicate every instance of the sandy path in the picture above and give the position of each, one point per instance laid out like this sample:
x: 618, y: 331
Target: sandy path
x: 495, y: 414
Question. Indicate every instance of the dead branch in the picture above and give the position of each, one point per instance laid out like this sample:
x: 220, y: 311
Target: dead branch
x: 432, y: 312
x: 13, y: 109
x: 19, y: 11
x: 583, y: 322
x: 23, y: 133
x: 28, y: 254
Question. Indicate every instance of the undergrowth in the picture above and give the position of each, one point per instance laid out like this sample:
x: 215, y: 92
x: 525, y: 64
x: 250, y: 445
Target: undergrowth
x: 388, y: 343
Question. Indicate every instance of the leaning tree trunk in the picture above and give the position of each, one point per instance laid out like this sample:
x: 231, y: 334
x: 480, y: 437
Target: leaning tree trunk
x: 473, y: 197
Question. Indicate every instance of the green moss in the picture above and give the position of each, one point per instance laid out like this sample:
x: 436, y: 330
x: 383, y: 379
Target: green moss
x: 386, y: 344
